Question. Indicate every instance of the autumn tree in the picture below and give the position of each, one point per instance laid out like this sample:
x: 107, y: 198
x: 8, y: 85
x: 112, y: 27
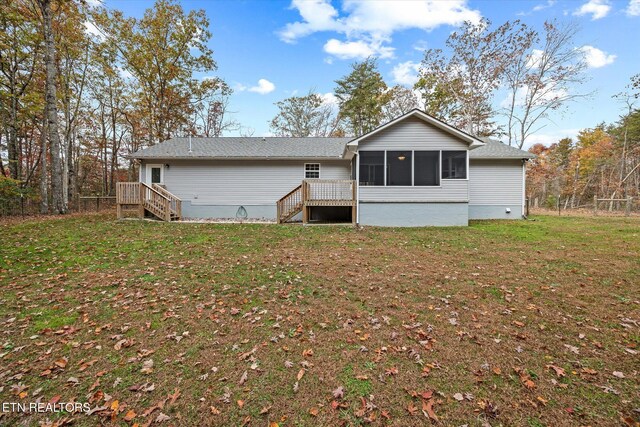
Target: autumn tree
x: 304, y: 116
x: 162, y: 51
x: 362, y: 95
x: 211, y: 116
x: 400, y: 101
x: 471, y: 70
x: 20, y: 54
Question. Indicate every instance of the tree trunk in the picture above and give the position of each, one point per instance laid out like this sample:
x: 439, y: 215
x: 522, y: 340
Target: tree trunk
x: 51, y: 109
x: 44, y: 185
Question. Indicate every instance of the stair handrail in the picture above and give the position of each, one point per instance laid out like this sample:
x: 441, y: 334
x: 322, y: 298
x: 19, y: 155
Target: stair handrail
x: 287, y: 203
x: 157, y: 200
x: 175, y: 202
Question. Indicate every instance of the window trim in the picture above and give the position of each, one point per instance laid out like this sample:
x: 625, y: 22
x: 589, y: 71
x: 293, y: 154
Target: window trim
x: 466, y: 178
x: 149, y: 174
x: 304, y: 173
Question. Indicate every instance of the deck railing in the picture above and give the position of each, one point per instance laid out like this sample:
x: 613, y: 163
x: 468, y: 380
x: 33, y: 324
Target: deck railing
x: 316, y: 192
x: 329, y: 192
x: 128, y: 193
x: 152, y: 198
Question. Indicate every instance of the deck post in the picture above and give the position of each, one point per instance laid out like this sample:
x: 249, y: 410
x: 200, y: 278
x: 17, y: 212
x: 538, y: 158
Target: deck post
x: 141, y: 205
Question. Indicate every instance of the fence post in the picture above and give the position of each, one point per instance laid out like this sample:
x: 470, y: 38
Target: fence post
x: 595, y: 205
x: 627, y: 210
x: 559, y: 204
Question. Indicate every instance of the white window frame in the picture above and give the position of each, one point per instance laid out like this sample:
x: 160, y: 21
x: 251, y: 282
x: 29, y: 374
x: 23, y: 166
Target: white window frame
x: 148, y: 172
x: 309, y: 164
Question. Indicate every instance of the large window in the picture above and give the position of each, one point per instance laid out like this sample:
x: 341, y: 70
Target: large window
x: 311, y: 170
x: 426, y: 168
x: 454, y: 165
x: 371, y: 167
x: 398, y: 167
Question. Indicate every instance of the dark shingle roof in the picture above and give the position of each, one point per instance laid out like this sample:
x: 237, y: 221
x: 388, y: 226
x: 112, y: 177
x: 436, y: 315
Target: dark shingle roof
x: 497, y: 150
x: 245, y: 147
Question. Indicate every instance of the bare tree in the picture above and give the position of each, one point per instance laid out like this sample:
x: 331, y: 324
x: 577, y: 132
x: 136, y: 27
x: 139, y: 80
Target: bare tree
x: 302, y: 116
x: 211, y: 114
x: 401, y: 101
x: 542, y: 80
x: 472, y: 71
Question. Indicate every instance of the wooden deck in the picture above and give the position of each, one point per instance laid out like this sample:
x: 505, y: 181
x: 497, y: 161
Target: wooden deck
x: 317, y: 192
x: 141, y: 197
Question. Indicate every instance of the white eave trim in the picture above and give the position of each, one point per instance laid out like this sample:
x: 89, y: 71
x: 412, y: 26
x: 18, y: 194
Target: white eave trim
x: 471, y: 140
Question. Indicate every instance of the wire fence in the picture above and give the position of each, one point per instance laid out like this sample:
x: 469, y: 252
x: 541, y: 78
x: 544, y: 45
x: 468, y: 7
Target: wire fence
x: 24, y: 206
x: 597, y: 206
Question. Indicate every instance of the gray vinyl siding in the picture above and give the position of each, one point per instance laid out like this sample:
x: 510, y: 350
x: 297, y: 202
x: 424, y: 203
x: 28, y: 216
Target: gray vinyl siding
x: 495, y: 182
x: 414, y: 134
x: 450, y: 190
x: 242, y: 182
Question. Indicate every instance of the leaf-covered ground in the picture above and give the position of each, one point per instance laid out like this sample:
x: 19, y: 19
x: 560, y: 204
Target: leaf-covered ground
x: 501, y: 323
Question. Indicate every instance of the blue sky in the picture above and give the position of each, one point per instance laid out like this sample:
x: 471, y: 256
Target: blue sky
x: 270, y: 50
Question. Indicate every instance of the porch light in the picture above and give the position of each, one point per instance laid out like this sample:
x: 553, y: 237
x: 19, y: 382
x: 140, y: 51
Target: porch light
x: 401, y: 157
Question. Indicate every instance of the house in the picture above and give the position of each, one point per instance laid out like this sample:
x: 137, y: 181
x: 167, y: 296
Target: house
x: 413, y: 171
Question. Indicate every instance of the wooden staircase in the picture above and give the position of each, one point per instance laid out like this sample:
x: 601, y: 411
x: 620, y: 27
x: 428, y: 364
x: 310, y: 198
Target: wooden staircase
x: 154, y: 199
x: 290, y: 204
x: 317, y: 192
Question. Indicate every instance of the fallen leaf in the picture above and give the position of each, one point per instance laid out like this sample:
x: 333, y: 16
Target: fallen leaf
x: 129, y: 415
x: 618, y: 374
x: 214, y: 410
x: 427, y: 410
x: 338, y: 393
x: 314, y: 411
x: 458, y: 396
x: 300, y: 374
x: 558, y: 370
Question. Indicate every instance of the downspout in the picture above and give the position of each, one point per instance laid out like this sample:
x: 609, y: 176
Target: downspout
x: 190, y: 144
x: 524, y: 187
x: 357, y: 189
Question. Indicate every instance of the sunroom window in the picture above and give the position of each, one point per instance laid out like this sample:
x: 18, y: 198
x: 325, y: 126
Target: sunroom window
x: 371, y: 167
x: 398, y: 167
x: 426, y: 168
x: 454, y: 165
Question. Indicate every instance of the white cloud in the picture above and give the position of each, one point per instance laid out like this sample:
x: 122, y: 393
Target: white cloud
x: 550, y: 138
x: 406, y: 73
x: 357, y: 49
x: 548, y: 4
x: 95, y: 3
x: 90, y: 28
x: 596, y: 58
x: 534, y: 58
x: 634, y: 8
x: 596, y: 8
x: 329, y: 98
x: 369, y: 25
x: 264, y: 87
x: 546, y: 95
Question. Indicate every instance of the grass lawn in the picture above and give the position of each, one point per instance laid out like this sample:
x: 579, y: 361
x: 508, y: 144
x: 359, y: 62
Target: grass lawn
x: 532, y: 323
